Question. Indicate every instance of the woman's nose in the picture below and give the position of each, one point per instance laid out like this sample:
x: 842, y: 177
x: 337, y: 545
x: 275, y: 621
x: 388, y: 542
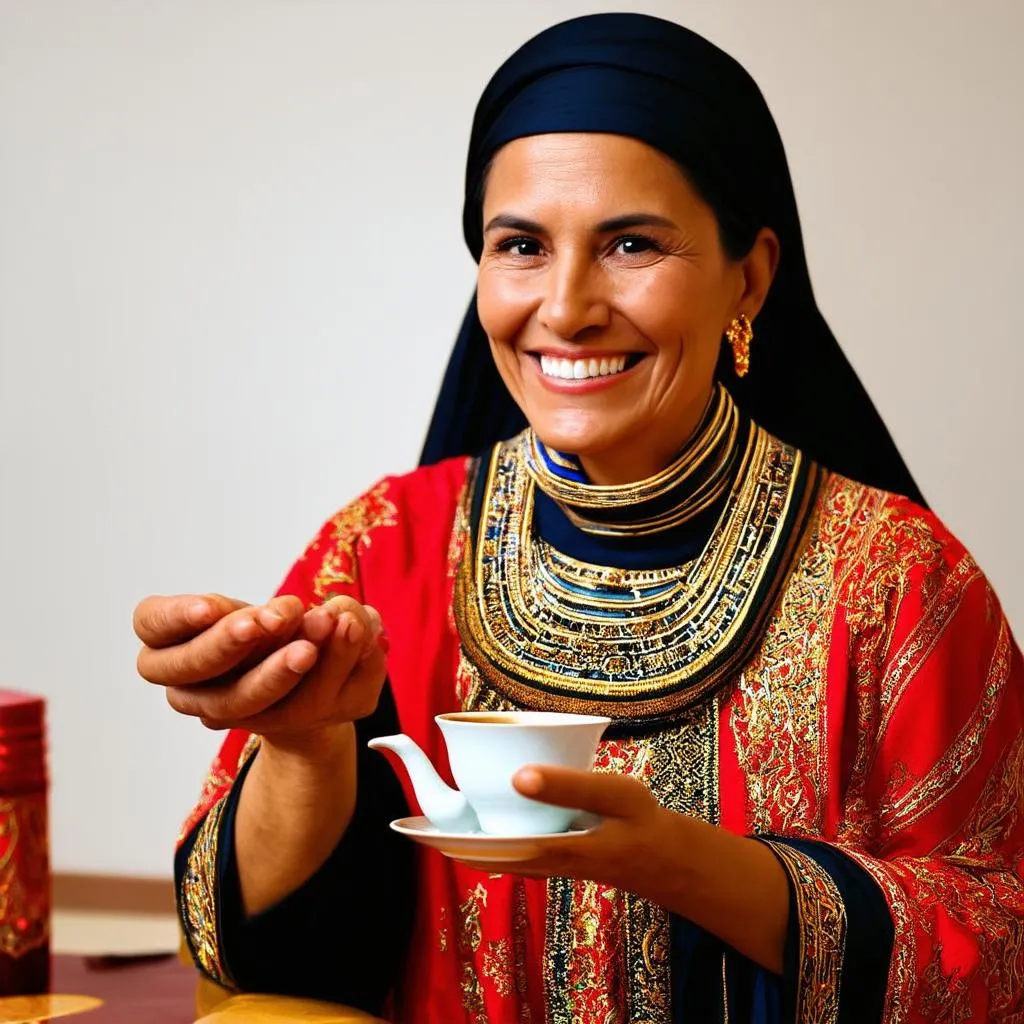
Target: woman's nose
x: 573, y: 303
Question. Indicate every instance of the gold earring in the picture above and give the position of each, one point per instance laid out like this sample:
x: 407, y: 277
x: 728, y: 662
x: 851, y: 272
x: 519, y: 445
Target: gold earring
x: 739, y: 334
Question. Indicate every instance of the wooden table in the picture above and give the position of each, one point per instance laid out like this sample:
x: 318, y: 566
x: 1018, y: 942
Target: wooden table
x: 159, y: 990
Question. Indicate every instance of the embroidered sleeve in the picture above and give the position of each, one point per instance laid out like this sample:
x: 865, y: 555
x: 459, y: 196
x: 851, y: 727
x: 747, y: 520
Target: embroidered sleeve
x: 936, y: 785
x: 198, y: 870
x: 880, y: 737
x: 936, y: 798
x: 840, y: 936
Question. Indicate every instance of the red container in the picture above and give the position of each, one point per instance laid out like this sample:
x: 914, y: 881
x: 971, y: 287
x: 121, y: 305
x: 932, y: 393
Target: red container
x: 24, y: 847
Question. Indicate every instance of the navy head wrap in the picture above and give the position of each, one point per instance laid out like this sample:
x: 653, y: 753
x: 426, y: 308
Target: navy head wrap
x: 639, y: 76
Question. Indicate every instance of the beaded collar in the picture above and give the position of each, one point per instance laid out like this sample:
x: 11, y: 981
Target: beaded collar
x: 543, y: 630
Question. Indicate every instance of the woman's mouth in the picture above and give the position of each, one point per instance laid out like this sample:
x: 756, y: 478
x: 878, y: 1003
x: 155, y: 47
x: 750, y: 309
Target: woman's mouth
x: 586, y: 368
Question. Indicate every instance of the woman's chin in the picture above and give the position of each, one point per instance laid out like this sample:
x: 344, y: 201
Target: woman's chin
x: 578, y: 439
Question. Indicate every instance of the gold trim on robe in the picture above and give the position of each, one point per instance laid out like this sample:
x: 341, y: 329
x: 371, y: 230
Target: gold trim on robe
x: 199, y: 887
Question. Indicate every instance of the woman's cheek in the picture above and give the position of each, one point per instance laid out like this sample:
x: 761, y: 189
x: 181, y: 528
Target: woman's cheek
x: 503, y: 306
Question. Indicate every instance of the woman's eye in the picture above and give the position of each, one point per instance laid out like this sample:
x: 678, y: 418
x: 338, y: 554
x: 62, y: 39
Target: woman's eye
x: 634, y: 245
x: 521, y: 247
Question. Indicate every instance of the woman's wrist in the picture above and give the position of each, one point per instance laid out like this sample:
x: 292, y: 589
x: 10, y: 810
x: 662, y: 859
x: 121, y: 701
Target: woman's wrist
x: 322, y: 748
x: 729, y: 885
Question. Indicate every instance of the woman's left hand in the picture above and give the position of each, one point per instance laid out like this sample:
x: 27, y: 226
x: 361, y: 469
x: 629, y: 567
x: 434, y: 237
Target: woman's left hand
x: 728, y: 884
x: 623, y: 850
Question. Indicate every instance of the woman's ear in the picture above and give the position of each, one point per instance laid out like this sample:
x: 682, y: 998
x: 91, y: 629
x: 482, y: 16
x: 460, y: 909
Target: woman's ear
x: 758, y: 268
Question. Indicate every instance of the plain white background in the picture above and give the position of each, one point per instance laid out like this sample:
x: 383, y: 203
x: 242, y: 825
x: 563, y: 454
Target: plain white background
x: 231, y: 270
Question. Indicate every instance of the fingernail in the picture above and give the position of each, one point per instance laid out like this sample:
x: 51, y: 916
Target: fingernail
x: 196, y: 614
x: 356, y: 630
x: 300, y: 659
x: 245, y: 629
x: 529, y: 780
x: 383, y: 642
x: 269, y: 619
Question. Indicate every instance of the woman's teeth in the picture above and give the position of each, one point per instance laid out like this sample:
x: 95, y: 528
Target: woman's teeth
x: 581, y: 369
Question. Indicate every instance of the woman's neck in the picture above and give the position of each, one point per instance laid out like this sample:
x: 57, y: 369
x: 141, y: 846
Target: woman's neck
x: 695, y: 479
x: 646, y: 453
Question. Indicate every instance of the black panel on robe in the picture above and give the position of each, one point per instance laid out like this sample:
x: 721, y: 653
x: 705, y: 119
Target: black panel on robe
x: 344, y: 934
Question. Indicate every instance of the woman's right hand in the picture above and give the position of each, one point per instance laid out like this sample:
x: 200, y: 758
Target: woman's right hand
x: 276, y: 670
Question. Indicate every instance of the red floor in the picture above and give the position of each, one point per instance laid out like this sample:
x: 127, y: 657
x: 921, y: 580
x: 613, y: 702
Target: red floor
x: 155, y: 991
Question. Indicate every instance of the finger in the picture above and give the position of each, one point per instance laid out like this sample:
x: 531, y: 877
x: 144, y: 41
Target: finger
x: 342, y: 652
x: 215, y: 652
x: 376, y: 623
x: 613, y: 796
x: 328, y: 694
x: 277, y: 633
x: 220, y: 705
x: 362, y: 623
x: 162, y: 621
x: 318, y: 624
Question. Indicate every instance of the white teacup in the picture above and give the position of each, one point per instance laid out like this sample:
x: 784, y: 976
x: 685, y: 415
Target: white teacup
x: 487, y: 748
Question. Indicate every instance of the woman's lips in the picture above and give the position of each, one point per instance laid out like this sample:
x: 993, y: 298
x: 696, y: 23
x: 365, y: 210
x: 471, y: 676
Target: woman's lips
x: 583, y: 374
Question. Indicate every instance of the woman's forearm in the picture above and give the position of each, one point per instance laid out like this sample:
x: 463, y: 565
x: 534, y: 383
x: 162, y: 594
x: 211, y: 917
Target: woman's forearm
x: 730, y: 886
x: 295, y: 805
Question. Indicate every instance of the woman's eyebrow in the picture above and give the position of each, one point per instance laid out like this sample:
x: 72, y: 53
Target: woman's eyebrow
x: 635, y: 220
x: 621, y: 223
x: 514, y: 223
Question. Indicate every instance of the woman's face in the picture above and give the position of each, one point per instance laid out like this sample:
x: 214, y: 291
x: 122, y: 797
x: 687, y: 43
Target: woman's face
x: 605, y: 292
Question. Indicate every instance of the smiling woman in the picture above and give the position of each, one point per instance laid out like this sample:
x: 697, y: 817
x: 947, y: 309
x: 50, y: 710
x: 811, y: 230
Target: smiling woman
x: 653, y: 491
x: 597, y: 248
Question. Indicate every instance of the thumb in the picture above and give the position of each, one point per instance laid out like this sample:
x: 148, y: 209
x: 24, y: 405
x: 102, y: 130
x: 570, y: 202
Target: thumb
x: 611, y: 796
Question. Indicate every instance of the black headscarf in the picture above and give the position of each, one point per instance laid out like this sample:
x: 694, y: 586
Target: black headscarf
x: 639, y: 76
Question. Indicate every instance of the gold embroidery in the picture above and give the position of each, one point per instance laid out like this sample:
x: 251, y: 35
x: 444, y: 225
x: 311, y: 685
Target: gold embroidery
x: 468, y: 938
x: 470, y: 691
x: 460, y: 535
x: 892, y: 542
x: 583, y: 959
x: 995, y: 815
x: 350, y: 530
x: 551, y: 632
x: 980, y: 902
x: 607, y: 953
x: 218, y: 778
x: 778, y: 718
x: 498, y: 966
x: 903, y: 962
x: 520, y: 938
x: 822, y: 936
x: 469, y: 916
x: 198, y: 898
x: 900, y: 811
x: 252, y: 744
x: 923, y: 638
x: 946, y: 998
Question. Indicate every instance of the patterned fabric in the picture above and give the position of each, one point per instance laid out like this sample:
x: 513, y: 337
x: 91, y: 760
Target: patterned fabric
x: 879, y: 718
x: 554, y: 633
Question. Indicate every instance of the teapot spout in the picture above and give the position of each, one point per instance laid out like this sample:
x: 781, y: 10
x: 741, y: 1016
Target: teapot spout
x: 447, y: 809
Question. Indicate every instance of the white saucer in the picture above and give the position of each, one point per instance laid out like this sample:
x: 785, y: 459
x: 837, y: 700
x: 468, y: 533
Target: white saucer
x: 479, y: 846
